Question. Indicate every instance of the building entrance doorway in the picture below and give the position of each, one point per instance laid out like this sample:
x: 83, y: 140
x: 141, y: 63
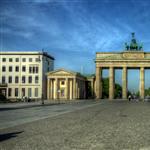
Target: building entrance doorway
x: 62, y: 93
x: 3, y: 91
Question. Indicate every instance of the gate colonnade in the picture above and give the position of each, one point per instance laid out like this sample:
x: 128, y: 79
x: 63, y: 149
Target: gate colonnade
x: 124, y: 60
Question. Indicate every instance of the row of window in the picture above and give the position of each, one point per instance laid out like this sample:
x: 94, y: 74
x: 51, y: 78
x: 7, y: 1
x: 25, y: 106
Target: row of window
x: 33, y: 69
x: 30, y: 79
x: 23, y: 92
x: 17, y: 59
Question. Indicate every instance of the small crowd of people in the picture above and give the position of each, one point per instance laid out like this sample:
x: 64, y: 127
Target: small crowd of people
x: 26, y: 99
x: 132, y: 97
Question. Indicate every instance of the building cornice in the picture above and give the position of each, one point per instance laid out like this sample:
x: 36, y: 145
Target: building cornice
x: 27, y: 53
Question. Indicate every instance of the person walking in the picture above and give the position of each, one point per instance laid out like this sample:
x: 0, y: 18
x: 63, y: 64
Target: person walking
x: 129, y: 97
x: 42, y: 99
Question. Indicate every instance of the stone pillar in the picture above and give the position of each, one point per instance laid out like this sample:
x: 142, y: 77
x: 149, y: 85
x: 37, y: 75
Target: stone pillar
x: 77, y: 89
x: 142, y: 86
x: 48, y: 89
x: 74, y: 88
x: 66, y: 91
x: 51, y: 89
x: 56, y: 88
x: 70, y: 93
x: 124, y: 83
x: 98, y: 83
x: 111, y: 83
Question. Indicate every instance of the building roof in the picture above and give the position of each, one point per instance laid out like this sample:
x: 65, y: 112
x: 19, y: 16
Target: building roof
x: 67, y: 71
x: 26, y: 53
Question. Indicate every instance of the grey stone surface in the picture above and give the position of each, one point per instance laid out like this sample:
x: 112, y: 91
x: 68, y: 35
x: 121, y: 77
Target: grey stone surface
x: 20, y: 113
x: 116, y: 125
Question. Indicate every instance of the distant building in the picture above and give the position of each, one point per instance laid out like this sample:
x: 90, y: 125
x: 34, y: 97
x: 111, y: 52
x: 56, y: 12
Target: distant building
x: 24, y: 74
x: 65, y: 84
x: 90, y: 86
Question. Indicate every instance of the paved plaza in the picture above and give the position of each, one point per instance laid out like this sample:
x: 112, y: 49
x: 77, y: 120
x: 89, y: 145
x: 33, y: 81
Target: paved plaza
x: 85, y: 125
x: 20, y: 113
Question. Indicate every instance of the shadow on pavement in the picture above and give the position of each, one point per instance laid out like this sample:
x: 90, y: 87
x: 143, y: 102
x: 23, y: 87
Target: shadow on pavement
x: 8, y: 136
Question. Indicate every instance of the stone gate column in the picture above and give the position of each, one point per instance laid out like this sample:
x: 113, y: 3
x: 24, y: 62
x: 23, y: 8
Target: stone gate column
x: 142, y: 84
x: 48, y: 89
x: 66, y: 93
x: 51, y: 89
x: 98, y: 82
x: 78, y: 89
x: 56, y: 88
x: 71, y: 86
x: 111, y: 83
x: 124, y: 83
x: 74, y: 88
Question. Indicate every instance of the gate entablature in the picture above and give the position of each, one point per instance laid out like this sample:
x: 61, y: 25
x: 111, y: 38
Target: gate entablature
x: 128, y: 59
x: 125, y: 55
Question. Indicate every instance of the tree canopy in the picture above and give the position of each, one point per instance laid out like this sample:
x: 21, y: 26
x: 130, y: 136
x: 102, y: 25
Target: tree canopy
x: 105, y: 90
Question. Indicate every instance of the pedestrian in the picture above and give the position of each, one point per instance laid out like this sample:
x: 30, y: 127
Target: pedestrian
x: 129, y: 97
x: 42, y: 99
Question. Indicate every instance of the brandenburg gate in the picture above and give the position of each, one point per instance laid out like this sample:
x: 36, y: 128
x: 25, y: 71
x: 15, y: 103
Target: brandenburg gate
x: 132, y: 57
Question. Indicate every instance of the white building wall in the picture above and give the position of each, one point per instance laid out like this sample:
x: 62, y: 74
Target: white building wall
x: 41, y: 63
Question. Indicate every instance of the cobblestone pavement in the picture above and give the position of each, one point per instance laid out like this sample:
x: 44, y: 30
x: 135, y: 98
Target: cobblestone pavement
x: 115, y: 125
x: 20, y: 113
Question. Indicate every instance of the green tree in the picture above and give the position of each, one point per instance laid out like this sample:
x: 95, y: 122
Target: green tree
x: 105, y: 85
x: 105, y: 90
x: 147, y: 92
x: 118, y: 91
x: 137, y: 94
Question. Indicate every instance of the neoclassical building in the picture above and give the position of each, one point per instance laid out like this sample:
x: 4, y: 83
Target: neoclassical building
x: 90, y: 86
x: 132, y: 57
x: 65, y: 84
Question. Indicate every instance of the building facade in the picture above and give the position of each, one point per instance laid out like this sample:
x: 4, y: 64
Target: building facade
x: 64, y: 84
x: 90, y: 86
x: 24, y: 74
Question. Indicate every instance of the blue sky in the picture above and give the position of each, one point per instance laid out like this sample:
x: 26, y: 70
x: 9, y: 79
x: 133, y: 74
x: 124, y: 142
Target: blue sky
x: 73, y: 31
